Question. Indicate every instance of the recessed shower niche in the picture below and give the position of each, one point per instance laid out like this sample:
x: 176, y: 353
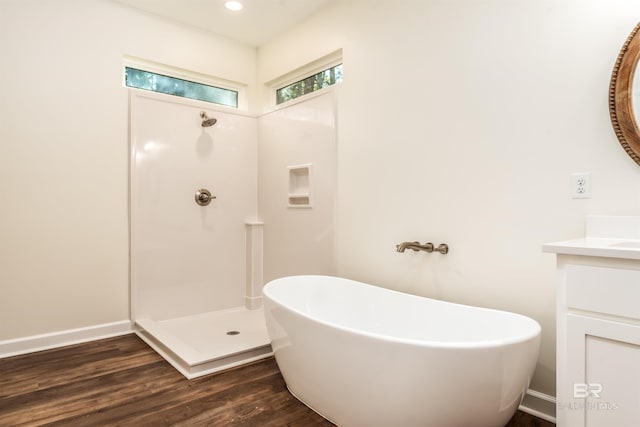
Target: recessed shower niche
x: 299, y: 186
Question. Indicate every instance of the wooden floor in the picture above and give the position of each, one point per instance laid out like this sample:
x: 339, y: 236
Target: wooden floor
x: 121, y: 381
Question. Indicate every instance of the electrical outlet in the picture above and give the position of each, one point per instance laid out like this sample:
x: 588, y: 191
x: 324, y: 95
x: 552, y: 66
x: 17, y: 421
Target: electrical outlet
x: 580, y: 185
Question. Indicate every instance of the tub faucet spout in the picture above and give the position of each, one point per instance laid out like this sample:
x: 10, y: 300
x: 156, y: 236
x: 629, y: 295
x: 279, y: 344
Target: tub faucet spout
x: 415, y: 246
x: 404, y: 245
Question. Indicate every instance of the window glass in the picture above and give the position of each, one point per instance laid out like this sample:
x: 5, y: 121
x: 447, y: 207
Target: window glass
x: 173, y: 86
x: 310, y: 84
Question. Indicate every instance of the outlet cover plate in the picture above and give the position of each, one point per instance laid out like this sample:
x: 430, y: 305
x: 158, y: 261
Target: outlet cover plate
x: 580, y: 185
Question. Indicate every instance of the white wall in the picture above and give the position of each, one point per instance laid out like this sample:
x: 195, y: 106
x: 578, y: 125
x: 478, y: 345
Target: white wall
x: 460, y: 121
x: 64, y: 152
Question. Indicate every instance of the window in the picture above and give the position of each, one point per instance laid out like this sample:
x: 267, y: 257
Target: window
x: 310, y: 84
x: 173, y: 86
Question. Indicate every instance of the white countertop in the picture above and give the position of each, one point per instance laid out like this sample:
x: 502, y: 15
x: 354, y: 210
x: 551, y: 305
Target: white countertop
x: 606, y: 236
x: 597, y: 246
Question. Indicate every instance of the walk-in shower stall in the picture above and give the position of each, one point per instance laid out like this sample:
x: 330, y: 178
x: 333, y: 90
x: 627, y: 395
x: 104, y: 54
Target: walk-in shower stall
x: 196, y: 247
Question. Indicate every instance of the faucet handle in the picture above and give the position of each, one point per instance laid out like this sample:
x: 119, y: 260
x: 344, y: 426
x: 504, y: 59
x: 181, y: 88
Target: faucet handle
x: 443, y: 248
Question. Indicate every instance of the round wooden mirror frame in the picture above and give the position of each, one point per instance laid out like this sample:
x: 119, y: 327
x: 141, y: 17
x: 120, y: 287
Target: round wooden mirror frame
x: 621, y: 96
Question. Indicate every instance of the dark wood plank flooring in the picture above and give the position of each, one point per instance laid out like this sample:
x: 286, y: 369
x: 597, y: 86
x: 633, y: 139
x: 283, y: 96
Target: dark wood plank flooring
x: 121, y: 381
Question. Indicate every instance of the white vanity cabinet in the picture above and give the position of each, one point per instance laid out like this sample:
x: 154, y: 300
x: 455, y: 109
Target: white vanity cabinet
x: 598, y: 342
x: 598, y: 332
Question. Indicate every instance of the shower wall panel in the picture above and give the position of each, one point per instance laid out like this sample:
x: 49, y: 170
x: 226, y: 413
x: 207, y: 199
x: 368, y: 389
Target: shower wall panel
x: 299, y: 137
x: 185, y: 258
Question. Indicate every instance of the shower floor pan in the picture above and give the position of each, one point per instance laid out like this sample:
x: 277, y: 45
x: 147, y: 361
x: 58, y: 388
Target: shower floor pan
x: 208, y: 342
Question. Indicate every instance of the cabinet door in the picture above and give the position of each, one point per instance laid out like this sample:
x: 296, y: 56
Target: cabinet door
x: 603, y: 373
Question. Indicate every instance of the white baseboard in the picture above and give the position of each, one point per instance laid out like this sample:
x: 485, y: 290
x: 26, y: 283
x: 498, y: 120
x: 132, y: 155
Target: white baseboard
x: 539, y: 405
x: 35, y: 343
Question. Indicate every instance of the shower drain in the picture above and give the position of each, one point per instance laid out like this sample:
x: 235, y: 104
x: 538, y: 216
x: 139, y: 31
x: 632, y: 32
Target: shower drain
x: 233, y: 332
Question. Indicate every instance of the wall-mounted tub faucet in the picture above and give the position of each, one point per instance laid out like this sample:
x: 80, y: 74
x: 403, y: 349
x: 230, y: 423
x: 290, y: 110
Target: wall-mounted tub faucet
x: 443, y: 248
x: 415, y: 246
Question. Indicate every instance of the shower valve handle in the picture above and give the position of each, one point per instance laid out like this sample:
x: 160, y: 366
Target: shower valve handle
x: 203, y: 197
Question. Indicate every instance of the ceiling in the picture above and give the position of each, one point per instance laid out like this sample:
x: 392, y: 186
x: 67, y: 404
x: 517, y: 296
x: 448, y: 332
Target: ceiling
x: 255, y: 25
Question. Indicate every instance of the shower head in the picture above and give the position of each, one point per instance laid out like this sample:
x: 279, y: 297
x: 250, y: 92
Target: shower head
x: 206, y: 120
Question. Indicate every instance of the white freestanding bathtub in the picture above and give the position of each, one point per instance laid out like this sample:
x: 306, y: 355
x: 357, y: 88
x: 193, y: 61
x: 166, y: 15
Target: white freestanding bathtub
x: 361, y: 355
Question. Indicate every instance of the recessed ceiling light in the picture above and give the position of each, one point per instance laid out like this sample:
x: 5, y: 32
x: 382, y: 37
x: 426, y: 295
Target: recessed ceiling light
x: 234, y: 6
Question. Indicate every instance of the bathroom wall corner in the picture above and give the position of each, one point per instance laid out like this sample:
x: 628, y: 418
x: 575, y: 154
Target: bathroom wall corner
x: 539, y: 405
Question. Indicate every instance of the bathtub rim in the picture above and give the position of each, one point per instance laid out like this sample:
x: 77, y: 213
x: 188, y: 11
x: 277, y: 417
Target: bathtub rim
x: 535, y: 334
